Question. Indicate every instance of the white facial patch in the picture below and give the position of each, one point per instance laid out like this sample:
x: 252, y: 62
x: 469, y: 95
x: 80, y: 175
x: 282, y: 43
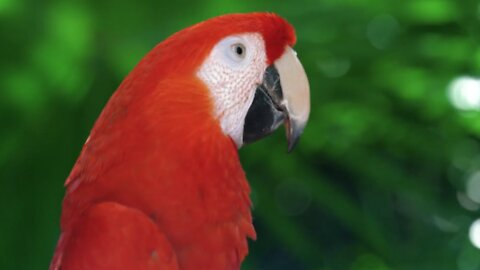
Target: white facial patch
x: 232, y: 72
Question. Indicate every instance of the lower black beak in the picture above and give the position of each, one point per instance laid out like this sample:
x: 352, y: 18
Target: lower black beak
x: 267, y: 112
x: 283, y: 96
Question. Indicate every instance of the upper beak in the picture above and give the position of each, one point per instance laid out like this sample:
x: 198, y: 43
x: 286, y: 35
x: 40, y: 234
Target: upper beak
x: 283, y: 96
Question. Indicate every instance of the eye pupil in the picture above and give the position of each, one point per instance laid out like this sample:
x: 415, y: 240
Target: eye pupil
x: 239, y: 50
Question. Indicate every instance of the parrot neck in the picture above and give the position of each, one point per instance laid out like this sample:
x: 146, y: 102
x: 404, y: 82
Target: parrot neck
x: 165, y: 155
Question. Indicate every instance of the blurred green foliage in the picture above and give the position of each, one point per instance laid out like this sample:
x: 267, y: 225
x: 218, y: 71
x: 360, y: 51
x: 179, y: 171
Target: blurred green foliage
x: 379, y: 180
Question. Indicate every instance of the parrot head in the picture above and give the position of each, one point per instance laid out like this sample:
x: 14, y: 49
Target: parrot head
x: 246, y: 62
x: 257, y: 81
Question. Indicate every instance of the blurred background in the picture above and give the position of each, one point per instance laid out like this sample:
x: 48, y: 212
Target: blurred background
x: 386, y: 176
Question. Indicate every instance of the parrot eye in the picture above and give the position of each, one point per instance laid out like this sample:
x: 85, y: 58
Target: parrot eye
x: 233, y: 50
x: 239, y: 50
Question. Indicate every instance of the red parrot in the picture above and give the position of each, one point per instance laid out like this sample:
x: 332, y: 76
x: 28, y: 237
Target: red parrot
x: 158, y: 183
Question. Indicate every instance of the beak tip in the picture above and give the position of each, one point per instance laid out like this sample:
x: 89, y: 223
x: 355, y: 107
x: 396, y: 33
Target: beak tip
x: 294, y: 130
x: 291, y: 144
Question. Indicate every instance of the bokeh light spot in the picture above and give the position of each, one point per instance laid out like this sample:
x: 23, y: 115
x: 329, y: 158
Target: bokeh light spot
x: 432, y: 11
x: 474, y: 233
x: 444, y: 225
x: 292, y: 199
x: 334, y: 67
x: 466, y: 202
x: 381, y: 30
x: 464, y: 93
x: 473, y: 187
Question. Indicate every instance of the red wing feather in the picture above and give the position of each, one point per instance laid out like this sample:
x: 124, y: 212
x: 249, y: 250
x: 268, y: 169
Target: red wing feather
x: 113, y: 236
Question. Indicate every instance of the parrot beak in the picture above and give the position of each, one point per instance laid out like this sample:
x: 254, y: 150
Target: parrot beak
x: 283, y: 97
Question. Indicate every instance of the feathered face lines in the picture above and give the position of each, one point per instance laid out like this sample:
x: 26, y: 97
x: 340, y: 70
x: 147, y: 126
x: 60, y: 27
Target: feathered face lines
x: 232, y: 72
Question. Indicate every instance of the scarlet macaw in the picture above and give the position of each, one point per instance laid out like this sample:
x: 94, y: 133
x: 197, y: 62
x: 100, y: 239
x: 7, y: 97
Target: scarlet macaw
x: 158, y: 184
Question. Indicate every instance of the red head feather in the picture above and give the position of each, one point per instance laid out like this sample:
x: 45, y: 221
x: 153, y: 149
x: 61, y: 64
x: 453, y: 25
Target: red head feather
x: 276, y: 32
x: 188, y: 48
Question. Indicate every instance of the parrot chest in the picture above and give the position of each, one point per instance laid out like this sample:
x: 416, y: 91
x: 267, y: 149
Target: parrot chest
x: 203, y: 209
x: 207, y: 219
